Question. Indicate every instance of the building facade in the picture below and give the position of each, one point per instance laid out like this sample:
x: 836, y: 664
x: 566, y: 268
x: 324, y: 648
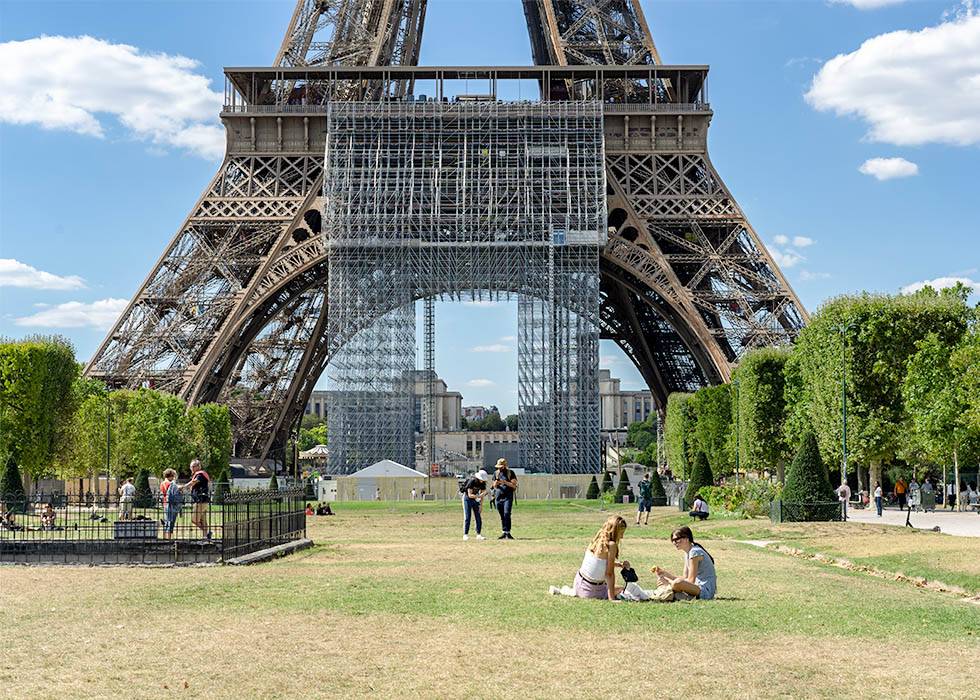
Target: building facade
x: 620, y: 408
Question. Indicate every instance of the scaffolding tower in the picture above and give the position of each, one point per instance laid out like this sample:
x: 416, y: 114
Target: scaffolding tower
x: 464, y: 200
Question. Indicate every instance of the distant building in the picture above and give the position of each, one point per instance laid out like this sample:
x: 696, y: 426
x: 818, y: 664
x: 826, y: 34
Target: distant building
x: 472, y: 413
x: 448, y: 404
x: 620, y: 408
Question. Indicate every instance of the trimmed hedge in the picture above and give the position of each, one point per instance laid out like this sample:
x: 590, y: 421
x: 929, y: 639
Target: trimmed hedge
x: 657, y: 489
x: 808, y: 490
x: 593, y: 491
x: 623, y: 488
x: 700, y: 477
x: 144, y: 495
x: 273, y: 483
x: 607, y: 483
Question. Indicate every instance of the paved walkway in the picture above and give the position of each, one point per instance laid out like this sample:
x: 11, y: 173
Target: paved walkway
x: 965, y: 524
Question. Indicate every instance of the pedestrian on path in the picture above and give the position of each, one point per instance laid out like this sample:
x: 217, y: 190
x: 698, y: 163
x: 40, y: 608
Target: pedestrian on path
x: 901, y: 489
x: 843, y: 495
x: 951, y: 495
x: 878, y: 498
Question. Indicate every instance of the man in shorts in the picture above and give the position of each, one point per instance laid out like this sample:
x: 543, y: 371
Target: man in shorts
x: 200, y: 486
x: 645, y: 500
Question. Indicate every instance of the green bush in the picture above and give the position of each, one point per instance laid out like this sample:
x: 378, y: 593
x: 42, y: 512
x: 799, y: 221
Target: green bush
x: 222, y: 485
x: 593, y: 491
x: 144, y: 495
x: 807, y: 482
x: 607, y: 483
x: 657, y: 493
x: 746, y: 499
x: 700, y: 477
x: 12, y: 486
x: 309, y: 493
x: 273, y: 483
x: 623, y: 488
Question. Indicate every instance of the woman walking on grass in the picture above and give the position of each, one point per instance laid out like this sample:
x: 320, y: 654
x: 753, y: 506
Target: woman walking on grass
x: 699, y: 579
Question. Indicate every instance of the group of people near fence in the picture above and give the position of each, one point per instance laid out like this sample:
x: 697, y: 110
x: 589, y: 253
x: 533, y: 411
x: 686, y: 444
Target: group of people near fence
x: 596, y: 577
x: 319, y: 509
x: 501, y: 489
x: 173, y: 499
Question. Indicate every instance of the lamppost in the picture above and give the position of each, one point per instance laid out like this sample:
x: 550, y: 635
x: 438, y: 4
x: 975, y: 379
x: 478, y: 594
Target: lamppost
x: 205, y: 413
x: 843, y: 329
x: 108, y: 434
x: 735, y: 384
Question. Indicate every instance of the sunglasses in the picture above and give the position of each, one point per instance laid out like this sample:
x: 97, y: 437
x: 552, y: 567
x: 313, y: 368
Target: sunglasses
x: 677, y: 539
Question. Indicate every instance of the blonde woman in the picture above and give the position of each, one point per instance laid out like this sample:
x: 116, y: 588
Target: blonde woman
x: 596, y: 578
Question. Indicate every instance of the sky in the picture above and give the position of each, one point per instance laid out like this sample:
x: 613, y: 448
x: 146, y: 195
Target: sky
x: 847, y: 130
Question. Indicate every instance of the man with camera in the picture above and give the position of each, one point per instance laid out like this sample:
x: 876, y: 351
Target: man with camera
x: 504, y: 489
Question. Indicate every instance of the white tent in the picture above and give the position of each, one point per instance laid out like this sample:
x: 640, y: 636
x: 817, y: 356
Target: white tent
x: 386, y: 467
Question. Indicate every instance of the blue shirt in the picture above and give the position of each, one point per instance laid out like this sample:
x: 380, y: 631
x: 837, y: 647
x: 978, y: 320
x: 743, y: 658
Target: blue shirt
x: 705, y: 578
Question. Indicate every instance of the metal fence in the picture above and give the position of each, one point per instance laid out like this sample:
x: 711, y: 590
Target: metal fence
x: 90, y: 529
x: 780, y: 512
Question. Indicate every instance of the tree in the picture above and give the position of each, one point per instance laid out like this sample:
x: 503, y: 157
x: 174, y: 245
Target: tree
x: 713, y: 407
x: 308, y: 491
x: 160, y: 430
x: 878, y: 349
x: 807, y: 482
x: 593, y: 491
x: 222, y: 485
x: 700, y: 477
x: 648, y: 458
x: 937, y: 390
x: 607, y: 483
x: 144, y: 495
x: 511, y: 421
x: 311, y: 420
x: 657, y: 493
x: 623, y: 487
x: 11, y: 482
x: 679, y: 433
x: 211, y: 427
x: 36, y: 399
x: 641, y: 434
x: 761, y: 409
x: 493, y: 422
x: 273, y: 483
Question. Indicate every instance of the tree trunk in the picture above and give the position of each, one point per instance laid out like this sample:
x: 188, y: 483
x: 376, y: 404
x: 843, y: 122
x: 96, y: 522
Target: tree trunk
x: 781, y: 471
x: 875, y: 475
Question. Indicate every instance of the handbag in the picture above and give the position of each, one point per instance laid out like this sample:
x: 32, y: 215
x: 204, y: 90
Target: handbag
x: 629, y: 575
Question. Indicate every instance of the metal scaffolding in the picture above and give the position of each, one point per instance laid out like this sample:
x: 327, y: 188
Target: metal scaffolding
x: 461, y: 201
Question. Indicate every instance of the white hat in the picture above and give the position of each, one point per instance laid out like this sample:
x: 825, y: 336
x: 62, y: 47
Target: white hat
x: 482, y: 475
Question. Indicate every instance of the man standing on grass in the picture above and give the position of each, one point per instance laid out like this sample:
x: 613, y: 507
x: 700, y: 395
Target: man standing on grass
x: 504, y: 489
x: 645, y: 500
x: 200, y: 486
x: 126, y: 493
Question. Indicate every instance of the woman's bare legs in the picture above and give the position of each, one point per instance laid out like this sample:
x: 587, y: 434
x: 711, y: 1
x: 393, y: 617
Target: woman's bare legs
x: 682, y: 586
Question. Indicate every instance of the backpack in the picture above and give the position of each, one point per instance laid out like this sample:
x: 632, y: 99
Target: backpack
x: 175, y: 497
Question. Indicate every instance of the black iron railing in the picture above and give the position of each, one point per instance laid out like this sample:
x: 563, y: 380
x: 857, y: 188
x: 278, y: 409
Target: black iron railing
x: 105, y: 529
x: 781, y: 512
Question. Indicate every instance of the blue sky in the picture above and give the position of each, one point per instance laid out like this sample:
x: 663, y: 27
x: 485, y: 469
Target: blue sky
x: 847, y: 130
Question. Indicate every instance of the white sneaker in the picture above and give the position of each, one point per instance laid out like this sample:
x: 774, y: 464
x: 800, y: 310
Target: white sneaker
x: 480, y: 537
x: 466, y: 537
x: 553, y: 590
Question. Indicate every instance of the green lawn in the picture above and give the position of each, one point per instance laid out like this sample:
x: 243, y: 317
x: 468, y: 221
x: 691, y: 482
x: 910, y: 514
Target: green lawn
x: 394, y: 603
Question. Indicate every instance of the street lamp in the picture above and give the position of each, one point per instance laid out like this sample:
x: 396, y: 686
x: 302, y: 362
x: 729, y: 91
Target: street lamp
x: 735, y: 384
x: 843, y: 329
x: 108, y: 433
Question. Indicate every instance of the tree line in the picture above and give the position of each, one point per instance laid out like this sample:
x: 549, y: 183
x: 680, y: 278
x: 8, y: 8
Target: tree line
x: 56, y: 423
x: 912, y: 373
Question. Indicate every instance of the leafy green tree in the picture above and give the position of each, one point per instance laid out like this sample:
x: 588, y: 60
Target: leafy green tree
x: 641, y: 434
x: 273, y: 483
x: 761, y: 407
x: 144, y: 495
x: 607, y: 482
x: 937, y: 391
x: 36, y: 399
x: 211, y: 428
x: 966, y: 363
x: 494, y: 422
x: 700, y: 477
x: 713, y: 407
x: 878, y: 349
x: 623, y: 487
x: 511, y: 421
x: 679, y: 433
x: 160, y: 431
x: 311, y: 420
x: 648, y: 458
x: 593, y: 491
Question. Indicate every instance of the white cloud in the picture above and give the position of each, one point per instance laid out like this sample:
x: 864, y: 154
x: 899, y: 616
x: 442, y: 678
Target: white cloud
x: 70, y: 83
x: 806, y: 275
x: 14, y: 273
x: 780, y: 240
x: 867, y: 4
x: 509, y: 339
x: 802, y: 241
x: 490, y: 348
x: 911, y: 88
x: 786, y: 259
x: 606, y: 360
x: 941, y: 283
x: 485, y: 303
x: 76, y: 314
x: 479, y: 382
x: 889, y: 168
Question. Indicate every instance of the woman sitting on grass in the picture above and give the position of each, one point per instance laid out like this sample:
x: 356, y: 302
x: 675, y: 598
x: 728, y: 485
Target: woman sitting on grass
x: 596, y: 578
x: 698, y: 580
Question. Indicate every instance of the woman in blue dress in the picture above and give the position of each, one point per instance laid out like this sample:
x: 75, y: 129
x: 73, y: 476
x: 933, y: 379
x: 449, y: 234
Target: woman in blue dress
x: 699, y: 579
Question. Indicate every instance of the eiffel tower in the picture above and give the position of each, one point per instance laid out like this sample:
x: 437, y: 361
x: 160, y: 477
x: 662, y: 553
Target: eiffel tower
x: 237, y: 309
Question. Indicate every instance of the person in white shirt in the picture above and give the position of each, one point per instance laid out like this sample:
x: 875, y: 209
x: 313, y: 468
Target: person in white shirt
x: 843, y: 495
x: 126, y: 494
x: 878, y: 498
x: 699, y: 509
x: 950, y: 495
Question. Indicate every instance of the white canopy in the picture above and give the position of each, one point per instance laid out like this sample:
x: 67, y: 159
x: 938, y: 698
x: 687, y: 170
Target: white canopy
x: 386, y: 467
x: 318, y: 451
